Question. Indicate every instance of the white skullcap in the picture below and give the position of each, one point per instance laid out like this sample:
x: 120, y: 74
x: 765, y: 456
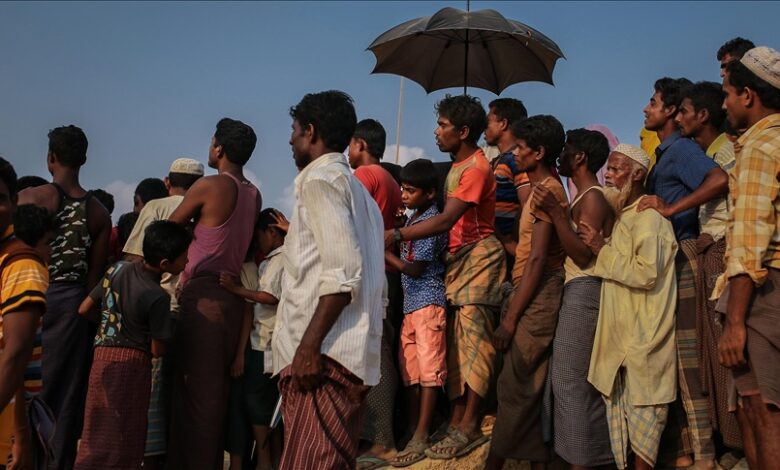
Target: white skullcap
x: 187, y: 166
x: 634, y: 153
x: 765, y: 63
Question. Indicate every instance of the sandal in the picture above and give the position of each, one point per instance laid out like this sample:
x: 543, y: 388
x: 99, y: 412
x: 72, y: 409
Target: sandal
x: 370, y: 462
x: 458, y: 441
x: 415, y: 448
x: 441, y: 433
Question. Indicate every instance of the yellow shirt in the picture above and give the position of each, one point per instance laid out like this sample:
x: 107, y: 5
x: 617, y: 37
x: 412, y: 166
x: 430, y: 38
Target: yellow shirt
x: 753, y: 229
x: 649, y: 141
x: 714, y: 214
x: 636, y: 322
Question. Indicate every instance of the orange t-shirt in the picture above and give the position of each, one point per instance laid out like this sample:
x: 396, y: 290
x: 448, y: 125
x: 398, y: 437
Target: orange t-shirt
x: 472, y: 181
x: 383, y: 188
x: 529, y: 216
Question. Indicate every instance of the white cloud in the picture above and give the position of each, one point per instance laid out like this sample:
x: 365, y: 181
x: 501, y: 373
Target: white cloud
x: 123, y: 197
x: 405, y: 154
x: 252, y: 177
x: 286, y: 202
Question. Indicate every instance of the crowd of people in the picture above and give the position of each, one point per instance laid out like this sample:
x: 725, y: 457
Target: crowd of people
x: 611, y: 305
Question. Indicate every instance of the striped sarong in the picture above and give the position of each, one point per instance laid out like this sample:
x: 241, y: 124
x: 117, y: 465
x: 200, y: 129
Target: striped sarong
x: 641, y: 426
x: 156, y: 442
x: 714, y: 377
x: 581, y: 434
x: 115, y: 417
x: 321, y: 427
x: 475, y: 273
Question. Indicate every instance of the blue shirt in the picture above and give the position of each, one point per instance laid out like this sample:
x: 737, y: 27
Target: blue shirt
x: 680, y: 168
x: 427, y: 289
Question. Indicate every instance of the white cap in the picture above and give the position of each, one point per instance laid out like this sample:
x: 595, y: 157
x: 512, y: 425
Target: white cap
x: 765, y: 63
x: 187, y: 166
x: 634, y: 153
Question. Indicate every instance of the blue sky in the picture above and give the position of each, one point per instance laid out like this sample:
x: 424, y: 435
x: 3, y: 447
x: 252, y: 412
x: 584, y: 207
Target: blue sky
x: 148, y: 81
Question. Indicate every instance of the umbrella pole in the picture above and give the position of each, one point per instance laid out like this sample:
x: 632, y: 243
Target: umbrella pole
x: 466, y: 62
x: 398, y: 122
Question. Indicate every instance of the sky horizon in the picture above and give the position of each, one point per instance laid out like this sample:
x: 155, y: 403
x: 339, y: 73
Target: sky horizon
x: 148, y: 81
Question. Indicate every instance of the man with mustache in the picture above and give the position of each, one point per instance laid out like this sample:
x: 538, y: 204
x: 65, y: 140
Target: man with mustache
x: 634, y: 359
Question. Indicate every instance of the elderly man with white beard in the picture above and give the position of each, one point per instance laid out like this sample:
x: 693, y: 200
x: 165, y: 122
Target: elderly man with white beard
x: 633, y: 363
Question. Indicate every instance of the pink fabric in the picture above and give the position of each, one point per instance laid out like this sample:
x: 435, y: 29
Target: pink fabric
x: 613, y: 142
x: 383, y: 188
x: 223, y: 248
x: 423, y: 352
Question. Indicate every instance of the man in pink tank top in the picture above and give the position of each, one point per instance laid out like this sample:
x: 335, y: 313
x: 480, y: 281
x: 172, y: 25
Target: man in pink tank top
x: 225, y: 207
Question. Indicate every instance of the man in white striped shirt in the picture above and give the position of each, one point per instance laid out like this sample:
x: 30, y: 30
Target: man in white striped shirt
x: 326, y: 344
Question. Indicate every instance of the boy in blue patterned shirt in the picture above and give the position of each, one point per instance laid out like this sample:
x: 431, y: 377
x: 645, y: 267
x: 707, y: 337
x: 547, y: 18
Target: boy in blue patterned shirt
x: 422, y: 354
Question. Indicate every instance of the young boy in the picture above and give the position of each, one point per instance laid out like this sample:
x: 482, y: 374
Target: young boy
x: 260, y: 392
x: 422, y: 354
x: 134, y: 324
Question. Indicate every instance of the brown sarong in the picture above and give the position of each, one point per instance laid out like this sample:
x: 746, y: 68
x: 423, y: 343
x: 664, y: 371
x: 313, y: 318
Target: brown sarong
x: 517, y: 433
x: 475, y: 273
x: 205, y: 345
x: 117, y: 403
x: 763, y: 346
x: 715, y: 378
x: 321, y: 427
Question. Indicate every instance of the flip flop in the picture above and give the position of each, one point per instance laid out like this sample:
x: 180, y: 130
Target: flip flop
x: 461, y: 442
x: 416, y: 448
x: 369, y: 462
x: 441, y: 433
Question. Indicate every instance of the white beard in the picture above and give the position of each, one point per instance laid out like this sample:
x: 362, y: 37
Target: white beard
x: 617, y: 197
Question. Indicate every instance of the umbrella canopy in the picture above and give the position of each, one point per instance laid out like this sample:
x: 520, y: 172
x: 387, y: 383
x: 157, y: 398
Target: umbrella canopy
x: 456, y: 48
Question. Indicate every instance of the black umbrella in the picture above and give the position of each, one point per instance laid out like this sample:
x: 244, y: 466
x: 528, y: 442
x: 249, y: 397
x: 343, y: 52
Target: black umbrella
x: 466, y: 48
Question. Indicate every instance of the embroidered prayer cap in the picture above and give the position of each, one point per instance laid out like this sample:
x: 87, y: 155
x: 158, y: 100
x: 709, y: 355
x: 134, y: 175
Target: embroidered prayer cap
x: 187, y: 166
x: 634, y: 153
x: 765, y: 63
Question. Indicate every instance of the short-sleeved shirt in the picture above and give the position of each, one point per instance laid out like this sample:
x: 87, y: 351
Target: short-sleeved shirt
x: 508, y: 179
x: 383, y: 188
x: 156, y: 209
x: 427, y: 289
x: 472, y: 181
x: 135, y: 309
x: 530, y: 215
x: 270, y: 273
x: 24, y: 282
x: 680, y: 168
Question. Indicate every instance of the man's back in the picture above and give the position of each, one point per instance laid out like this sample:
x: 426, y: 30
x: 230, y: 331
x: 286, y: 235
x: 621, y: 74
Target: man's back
x: 383, y: 188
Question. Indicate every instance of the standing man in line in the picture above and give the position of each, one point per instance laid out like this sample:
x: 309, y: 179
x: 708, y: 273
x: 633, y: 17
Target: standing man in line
x: 226, y: 207
x: 731, y: 50
x: 751, y: 335
x: 327, y: 340
x: 476, y: 267
x: 78, y: 261
x: 683, y: 179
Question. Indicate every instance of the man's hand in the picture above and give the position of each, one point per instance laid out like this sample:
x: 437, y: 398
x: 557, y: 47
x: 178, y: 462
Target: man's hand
x: 655, y: 202
x: 400, y: 217
x: 589, y: 236
x: 504, y: 334
x: 306, y: 369
x: 545, y: 200
x: 227, y: 282
x: 281, y: 221
x: 21, y: 452
x: 731, y: 348
x: 237, y: 368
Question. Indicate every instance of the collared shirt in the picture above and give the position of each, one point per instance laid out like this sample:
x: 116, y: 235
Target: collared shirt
x: 753, y: 230
x: 508, y: 179
x: 680, y: 168
x: 269, y: 280
x: 335, y: 244
x: 427, y: 289
x: 714, y: 214
x: 473, y: 182
x: 636, y: 325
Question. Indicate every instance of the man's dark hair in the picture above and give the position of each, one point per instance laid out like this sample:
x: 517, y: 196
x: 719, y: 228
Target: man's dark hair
x: 8, y: 176
x: 374, y: 134
x: 593, y: 143
x: 125, y: 226
x: 266, y: 220
x: 164, y: 239
x: 736, y: 48
x: 508, y: 108
x: 182, y: 180
x: 237, y: 139
x: 709, y: 96
x: 421, y: 174
x: 464, y: 111
x: 671, y: 90
x: 105, y: 198
x: 30, y: 181
x: 32, y: 222
x: 69, y: 144
x: 741, y: 77
x: 151, y: 188
x: 332, y: 114
x: 541, y: 131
